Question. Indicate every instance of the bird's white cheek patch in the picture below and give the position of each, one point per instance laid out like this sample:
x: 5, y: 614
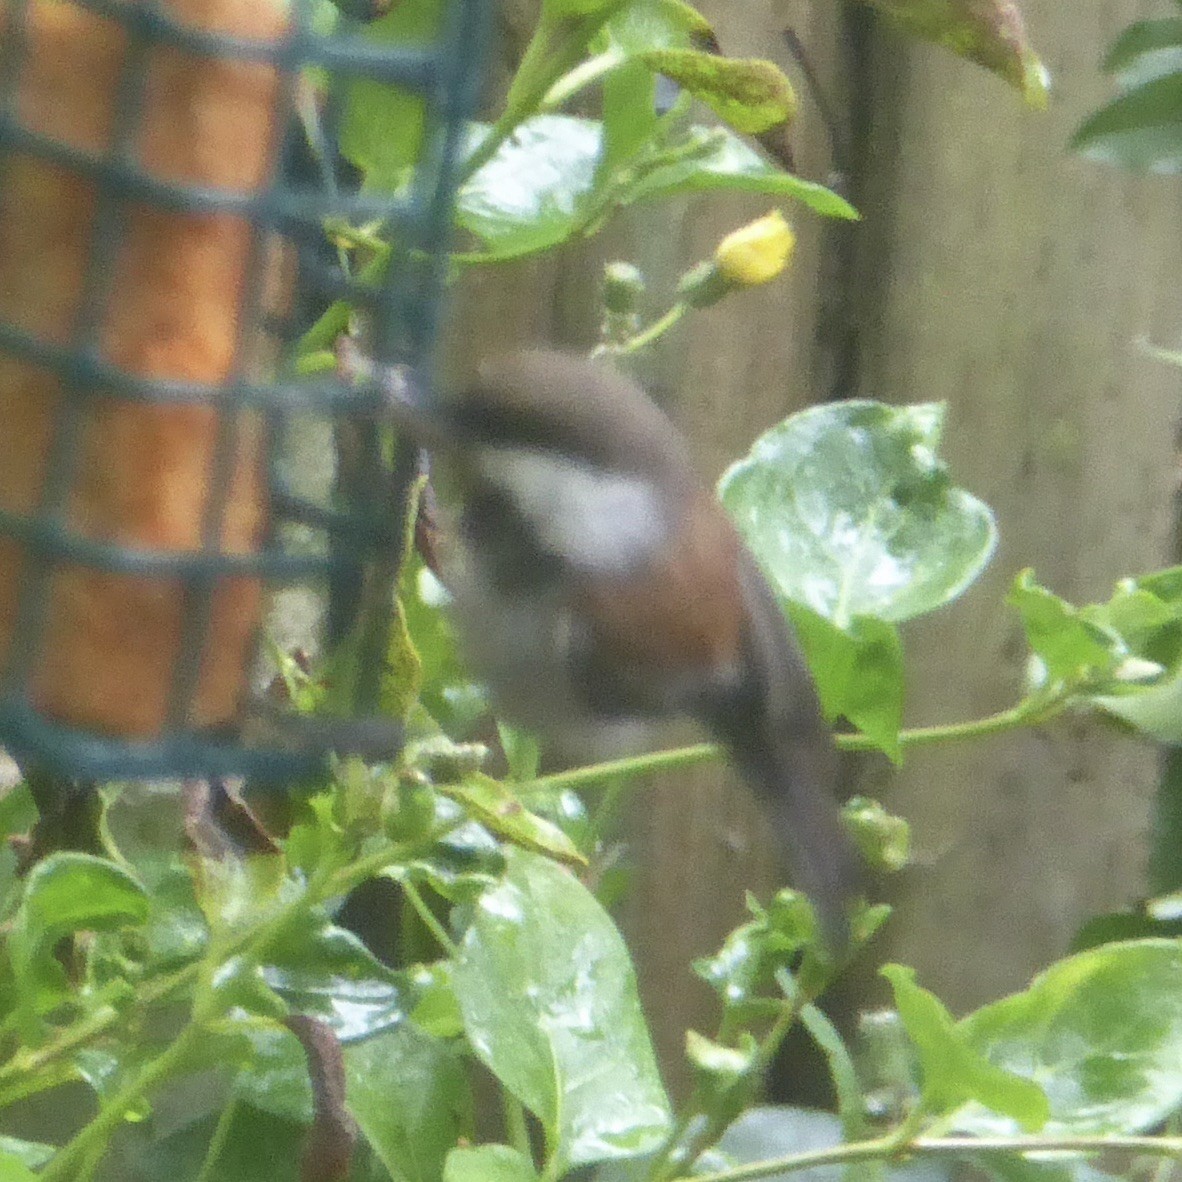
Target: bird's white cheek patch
x: 591, y: 517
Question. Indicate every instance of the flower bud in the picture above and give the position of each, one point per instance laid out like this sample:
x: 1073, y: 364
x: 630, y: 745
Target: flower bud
x: 623, y: 285
x: 757, y: 252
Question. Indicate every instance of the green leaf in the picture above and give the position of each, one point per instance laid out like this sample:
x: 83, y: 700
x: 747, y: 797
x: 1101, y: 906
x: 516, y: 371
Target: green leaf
x: 629, y: 113
x: 988, y: 32
x: 744, y: 972
x: 707, y: 159
x: 1101, y: 1032
x: 545, y: 184
x: 326, y: 972
x: 858, y: 671
x: 749, y: 94
x: 407, y: 1092
x: 954, y: 1070
x: 446, y: 690
x: 532, y: 193
x: 522, y: 751
x: 233, y: 891
x: 12, y: 1169
x: 562, y: 37
x: 549, y: 999
x: 66, y: 893
x: 256, y: 1147
x: 1070, y: 647
x: 883, y: 839
x: 852, y: 513
x: 488, y: 1163
x: 436, y: 1011
x: 1146, y: 50
x: 1140, y: 130
x: 16, y: 1152
x: 382, y: 132
x: 645, y: 25
x: 275, y: 1078
x: 492, y: 804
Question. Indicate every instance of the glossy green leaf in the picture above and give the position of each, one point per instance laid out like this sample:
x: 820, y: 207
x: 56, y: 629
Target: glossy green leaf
x: 326, y: 972
x: 1140, y: 130
x: 17, y: 1154
x: 497, y: 808
x: 461, y: 864
x: 383, y: 126
x: 748, y: 94
x: 954, y: 1070
x: 532, y: 194
x: 549, y: 999
x: 988, y: 32
x: 544, y: 185
x: 858, y: 672
x: 488, y: 1163
x: 275, y: 1078
x: 851, y: 511
x: 407, y: 1092
x: 66, y: 893
x: 1100, y: 1032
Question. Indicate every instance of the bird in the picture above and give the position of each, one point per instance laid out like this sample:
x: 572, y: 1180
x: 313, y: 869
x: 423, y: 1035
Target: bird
x: 600, y: 590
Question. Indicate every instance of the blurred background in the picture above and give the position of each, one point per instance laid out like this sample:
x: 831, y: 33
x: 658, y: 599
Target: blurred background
x: 993, y: 270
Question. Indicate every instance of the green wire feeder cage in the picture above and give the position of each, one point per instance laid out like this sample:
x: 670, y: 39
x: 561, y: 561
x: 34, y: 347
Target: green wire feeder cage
x: 167, y: 170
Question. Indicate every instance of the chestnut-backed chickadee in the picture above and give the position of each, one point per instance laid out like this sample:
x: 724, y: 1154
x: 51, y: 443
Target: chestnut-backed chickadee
x: 601, y: 589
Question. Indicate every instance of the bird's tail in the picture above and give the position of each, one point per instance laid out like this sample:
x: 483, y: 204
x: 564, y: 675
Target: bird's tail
x: 773, y: 725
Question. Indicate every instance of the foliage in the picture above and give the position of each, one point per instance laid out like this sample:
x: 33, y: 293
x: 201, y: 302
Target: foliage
x: 195, y: 1005
x: 1141, y: 128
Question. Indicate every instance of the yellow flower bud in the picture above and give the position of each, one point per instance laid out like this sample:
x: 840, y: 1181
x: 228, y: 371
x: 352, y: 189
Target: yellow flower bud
x: 757, y: 252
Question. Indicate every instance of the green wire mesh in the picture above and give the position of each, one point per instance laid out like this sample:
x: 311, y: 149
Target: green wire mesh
x: 344, y: 539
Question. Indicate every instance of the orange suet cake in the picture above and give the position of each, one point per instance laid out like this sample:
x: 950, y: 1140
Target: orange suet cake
x: 174, y: 285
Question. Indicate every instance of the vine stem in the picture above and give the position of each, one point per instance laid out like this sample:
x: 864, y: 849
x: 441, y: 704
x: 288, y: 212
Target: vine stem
x: 63, y: 1164
x: 679, y: 757
x: 883, y: 1148
x: 646, y: 336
